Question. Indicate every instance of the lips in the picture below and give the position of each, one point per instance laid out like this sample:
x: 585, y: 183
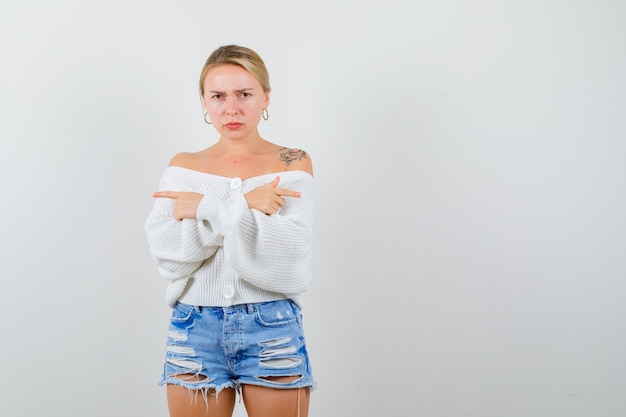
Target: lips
x: 233, y: 125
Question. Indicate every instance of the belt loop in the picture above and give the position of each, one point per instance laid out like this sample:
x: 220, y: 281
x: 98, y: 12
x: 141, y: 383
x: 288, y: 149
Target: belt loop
x: 250, y: 308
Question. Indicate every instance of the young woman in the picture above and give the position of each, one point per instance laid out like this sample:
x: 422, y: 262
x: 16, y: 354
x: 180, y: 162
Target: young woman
x: 231, y: 230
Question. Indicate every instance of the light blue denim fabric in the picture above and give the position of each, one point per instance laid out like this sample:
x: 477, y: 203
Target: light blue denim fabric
x: 226, y: 347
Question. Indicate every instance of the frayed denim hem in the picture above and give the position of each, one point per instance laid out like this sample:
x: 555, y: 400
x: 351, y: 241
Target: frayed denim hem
x: 204, y: 387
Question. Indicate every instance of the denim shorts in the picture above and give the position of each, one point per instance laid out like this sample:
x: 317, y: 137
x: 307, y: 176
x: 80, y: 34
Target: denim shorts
x: 226, y: 347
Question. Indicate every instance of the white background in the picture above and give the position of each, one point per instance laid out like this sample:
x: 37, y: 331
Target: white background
x: 469, y: 157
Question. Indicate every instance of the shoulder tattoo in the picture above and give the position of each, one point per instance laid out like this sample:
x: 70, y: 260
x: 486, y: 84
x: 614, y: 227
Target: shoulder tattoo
x: 288, y: 155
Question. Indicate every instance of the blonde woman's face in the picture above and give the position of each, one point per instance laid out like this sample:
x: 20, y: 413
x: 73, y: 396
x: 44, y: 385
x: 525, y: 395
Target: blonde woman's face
x: 234, y: 100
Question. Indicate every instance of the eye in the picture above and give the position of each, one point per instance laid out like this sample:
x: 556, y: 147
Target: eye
x: 245, y: 94
x: 216, y: 96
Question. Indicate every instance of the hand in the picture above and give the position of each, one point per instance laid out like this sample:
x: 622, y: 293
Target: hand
x: 185, y: 204
x: 268, y: 198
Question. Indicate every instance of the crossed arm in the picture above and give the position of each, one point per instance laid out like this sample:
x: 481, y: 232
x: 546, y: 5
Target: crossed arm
x: 268, y: 199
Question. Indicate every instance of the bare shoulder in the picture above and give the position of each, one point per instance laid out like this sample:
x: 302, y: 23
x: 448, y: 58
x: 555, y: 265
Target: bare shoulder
x: 293, y: 159
x: 185, y: 160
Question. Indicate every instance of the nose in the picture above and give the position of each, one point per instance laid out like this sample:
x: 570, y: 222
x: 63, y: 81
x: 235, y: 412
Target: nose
x: 232, y: 106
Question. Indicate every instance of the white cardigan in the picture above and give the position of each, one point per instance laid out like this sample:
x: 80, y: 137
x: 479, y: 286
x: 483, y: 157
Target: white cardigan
x: 232, y: 254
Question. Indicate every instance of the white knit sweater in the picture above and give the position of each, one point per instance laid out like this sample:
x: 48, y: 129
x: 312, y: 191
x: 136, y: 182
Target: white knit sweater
x: 232, y: 254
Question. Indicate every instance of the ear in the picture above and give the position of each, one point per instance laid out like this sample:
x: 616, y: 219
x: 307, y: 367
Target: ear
x: 266, y: 102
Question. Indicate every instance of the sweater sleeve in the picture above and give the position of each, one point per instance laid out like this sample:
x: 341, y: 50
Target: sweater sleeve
x: 178, y: 247
x: 271, y: 252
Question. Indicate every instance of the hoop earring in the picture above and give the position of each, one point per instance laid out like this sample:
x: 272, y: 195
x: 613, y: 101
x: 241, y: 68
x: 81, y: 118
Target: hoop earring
x: 265, y: 114
x: 206, y: 120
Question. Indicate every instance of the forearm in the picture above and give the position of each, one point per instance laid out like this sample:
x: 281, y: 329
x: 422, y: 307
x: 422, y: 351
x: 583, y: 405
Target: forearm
x: 179, y: 247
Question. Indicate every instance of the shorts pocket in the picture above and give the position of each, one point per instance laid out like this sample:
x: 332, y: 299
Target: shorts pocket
x: 275, y: 314
x: 182, y: 316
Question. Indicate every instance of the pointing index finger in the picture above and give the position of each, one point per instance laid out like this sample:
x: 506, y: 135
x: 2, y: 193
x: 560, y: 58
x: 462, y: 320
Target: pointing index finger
x: 285, y: 192
x: 165, y: 194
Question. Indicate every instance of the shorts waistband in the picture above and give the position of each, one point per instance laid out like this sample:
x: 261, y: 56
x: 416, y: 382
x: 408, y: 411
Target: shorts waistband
x: 249, y: 307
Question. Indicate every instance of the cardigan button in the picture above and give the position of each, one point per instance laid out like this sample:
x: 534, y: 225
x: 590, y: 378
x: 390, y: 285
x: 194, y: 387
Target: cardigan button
x: 228, y: 292
x: 235, y: 183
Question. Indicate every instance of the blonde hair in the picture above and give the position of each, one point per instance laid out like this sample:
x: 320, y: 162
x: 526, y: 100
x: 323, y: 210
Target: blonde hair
x: 241, y: 56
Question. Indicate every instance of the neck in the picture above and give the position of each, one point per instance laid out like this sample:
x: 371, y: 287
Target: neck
x: 241, y: 146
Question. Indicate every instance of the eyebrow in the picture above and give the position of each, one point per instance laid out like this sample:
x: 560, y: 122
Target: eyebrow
x: 241, y: 90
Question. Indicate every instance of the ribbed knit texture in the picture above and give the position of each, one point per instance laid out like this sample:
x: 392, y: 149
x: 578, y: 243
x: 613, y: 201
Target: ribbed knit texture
x: 231, y: 247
